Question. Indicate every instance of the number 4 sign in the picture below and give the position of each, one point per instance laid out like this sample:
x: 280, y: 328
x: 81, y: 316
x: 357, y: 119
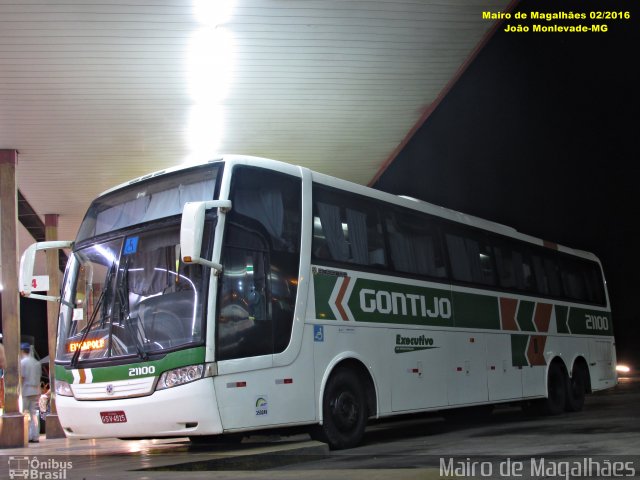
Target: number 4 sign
x: 40, y: 283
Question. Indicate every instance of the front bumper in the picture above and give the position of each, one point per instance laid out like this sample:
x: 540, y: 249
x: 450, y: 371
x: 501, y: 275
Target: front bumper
x: 186, y: 410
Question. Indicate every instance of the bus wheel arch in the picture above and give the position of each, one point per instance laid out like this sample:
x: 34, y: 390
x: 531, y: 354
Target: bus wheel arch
x: 348, y: 399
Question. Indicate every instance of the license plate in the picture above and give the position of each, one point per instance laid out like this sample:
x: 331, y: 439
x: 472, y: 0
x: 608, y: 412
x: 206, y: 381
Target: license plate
x: 113, y: 417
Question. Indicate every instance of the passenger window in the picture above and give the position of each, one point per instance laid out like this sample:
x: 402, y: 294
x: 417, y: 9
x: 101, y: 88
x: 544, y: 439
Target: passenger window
x: 552, y: 271
x: 542, y: 282
x: 272, y: 200
x: 573, y: 283
x: 514, y: 266
x: 347, y: 229
x: 414, y: 244
x: 593, y: 279
x: 470, y: 257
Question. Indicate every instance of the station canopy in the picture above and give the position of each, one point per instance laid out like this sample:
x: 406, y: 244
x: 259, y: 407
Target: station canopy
x: 93, y: 93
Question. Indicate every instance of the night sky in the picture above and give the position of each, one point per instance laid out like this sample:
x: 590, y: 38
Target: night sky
x: 541, y: 133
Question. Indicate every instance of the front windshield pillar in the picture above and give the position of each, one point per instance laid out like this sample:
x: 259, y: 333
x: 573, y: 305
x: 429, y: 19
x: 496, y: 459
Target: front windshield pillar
x: 214, y: 277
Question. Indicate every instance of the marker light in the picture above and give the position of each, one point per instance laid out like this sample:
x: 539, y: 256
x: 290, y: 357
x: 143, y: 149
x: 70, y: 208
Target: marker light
x: 180, y: 376
x: 622, y: 369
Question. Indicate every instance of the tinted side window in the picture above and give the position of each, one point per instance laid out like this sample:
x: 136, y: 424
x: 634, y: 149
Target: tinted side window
x: 594, y: 283
x: 244, y: 326
x: 271, y: 199
x: 547, y: 274
x: 414, y: 244
x: 470, y: 257
x: 261, y: 259
x: 514, y: 266
x: 582, y: 280
x: 346, y: 228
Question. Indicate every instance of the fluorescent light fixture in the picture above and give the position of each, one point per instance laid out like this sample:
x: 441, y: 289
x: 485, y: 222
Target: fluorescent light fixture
x: 209, y: 70
x: 210, y: 64
x: 213, y: 12
x: 204, y: 131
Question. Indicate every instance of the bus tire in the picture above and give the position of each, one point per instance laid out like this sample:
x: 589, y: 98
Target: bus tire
x: 576, y: 389
x: 344, y: 410
x: 556, y: 390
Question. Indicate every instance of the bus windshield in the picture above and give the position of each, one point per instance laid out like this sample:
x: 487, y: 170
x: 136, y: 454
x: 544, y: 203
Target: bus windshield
x: 130, y: 296
x: 148, y: 200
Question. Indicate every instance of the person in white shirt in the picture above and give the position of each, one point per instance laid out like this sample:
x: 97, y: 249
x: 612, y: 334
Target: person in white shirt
x: 30, y: 370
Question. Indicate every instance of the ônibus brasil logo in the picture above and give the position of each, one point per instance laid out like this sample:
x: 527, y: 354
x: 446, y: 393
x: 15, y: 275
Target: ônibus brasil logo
x: 412, y: 344
x: 35, y: 468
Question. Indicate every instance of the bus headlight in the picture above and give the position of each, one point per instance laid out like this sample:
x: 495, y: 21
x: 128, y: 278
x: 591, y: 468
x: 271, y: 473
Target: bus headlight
x: 180, y: 376
x: 63, y: 389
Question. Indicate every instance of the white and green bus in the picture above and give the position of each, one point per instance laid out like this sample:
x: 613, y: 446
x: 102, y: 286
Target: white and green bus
x: 246, y: 294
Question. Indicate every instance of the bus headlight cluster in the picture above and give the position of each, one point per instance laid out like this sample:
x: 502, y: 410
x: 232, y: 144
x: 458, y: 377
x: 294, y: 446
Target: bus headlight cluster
x: 180, y: 376
x: 63, y: 389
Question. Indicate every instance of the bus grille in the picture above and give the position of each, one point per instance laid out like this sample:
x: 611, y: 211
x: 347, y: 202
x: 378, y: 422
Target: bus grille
x: 111, y: 390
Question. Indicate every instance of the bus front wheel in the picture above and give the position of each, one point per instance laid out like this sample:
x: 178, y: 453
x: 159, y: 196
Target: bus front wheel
x: 344, y: 411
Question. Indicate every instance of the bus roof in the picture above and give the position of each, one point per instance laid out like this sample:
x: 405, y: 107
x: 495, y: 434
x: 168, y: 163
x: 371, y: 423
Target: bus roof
x: 401, y: 200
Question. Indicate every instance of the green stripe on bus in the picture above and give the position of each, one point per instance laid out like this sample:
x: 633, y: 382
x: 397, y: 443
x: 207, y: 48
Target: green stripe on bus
x: 112, y: 373
x: 387, y: 302
x: 323, y: 287
x: 475, y: 311
x: 561, y: 318
x: 525, y: 316
x: 589, y: 322
x: 519, y: 350
x: 367, y: 300
x: 63, y: 374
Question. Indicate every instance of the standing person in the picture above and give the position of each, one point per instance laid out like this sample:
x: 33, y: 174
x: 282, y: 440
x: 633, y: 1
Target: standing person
x: 3, y: 365
x: 30, y: 369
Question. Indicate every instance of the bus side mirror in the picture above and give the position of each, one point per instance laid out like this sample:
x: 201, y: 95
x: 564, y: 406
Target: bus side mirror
x: 27, y: 263
x: 192, y: 227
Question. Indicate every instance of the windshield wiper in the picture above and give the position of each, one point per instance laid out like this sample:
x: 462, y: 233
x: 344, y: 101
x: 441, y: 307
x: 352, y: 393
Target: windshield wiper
x: 134, y: 331
x: 101, y: 305
x: 125, y: 317
x: 85, y: 334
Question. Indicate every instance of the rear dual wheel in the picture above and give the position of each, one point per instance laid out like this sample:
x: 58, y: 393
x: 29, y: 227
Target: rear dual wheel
x: 564, y: 393
x: 556, y: 390
x: 576, y: 389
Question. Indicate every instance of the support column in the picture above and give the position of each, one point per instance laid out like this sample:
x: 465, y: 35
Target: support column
x: 13, y: 424
x: 53, y: 428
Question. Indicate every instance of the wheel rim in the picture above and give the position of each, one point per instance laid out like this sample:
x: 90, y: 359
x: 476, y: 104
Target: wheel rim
x: 345, y: 411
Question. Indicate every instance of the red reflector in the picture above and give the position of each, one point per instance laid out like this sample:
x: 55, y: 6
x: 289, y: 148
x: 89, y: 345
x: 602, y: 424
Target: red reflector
x: 284, y: 381
x: 493, y: 367
x: 472, y: 340
x: 414, y: 370
x: 236, y: 384
x: 459, y: 369
x: 288, y: 380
